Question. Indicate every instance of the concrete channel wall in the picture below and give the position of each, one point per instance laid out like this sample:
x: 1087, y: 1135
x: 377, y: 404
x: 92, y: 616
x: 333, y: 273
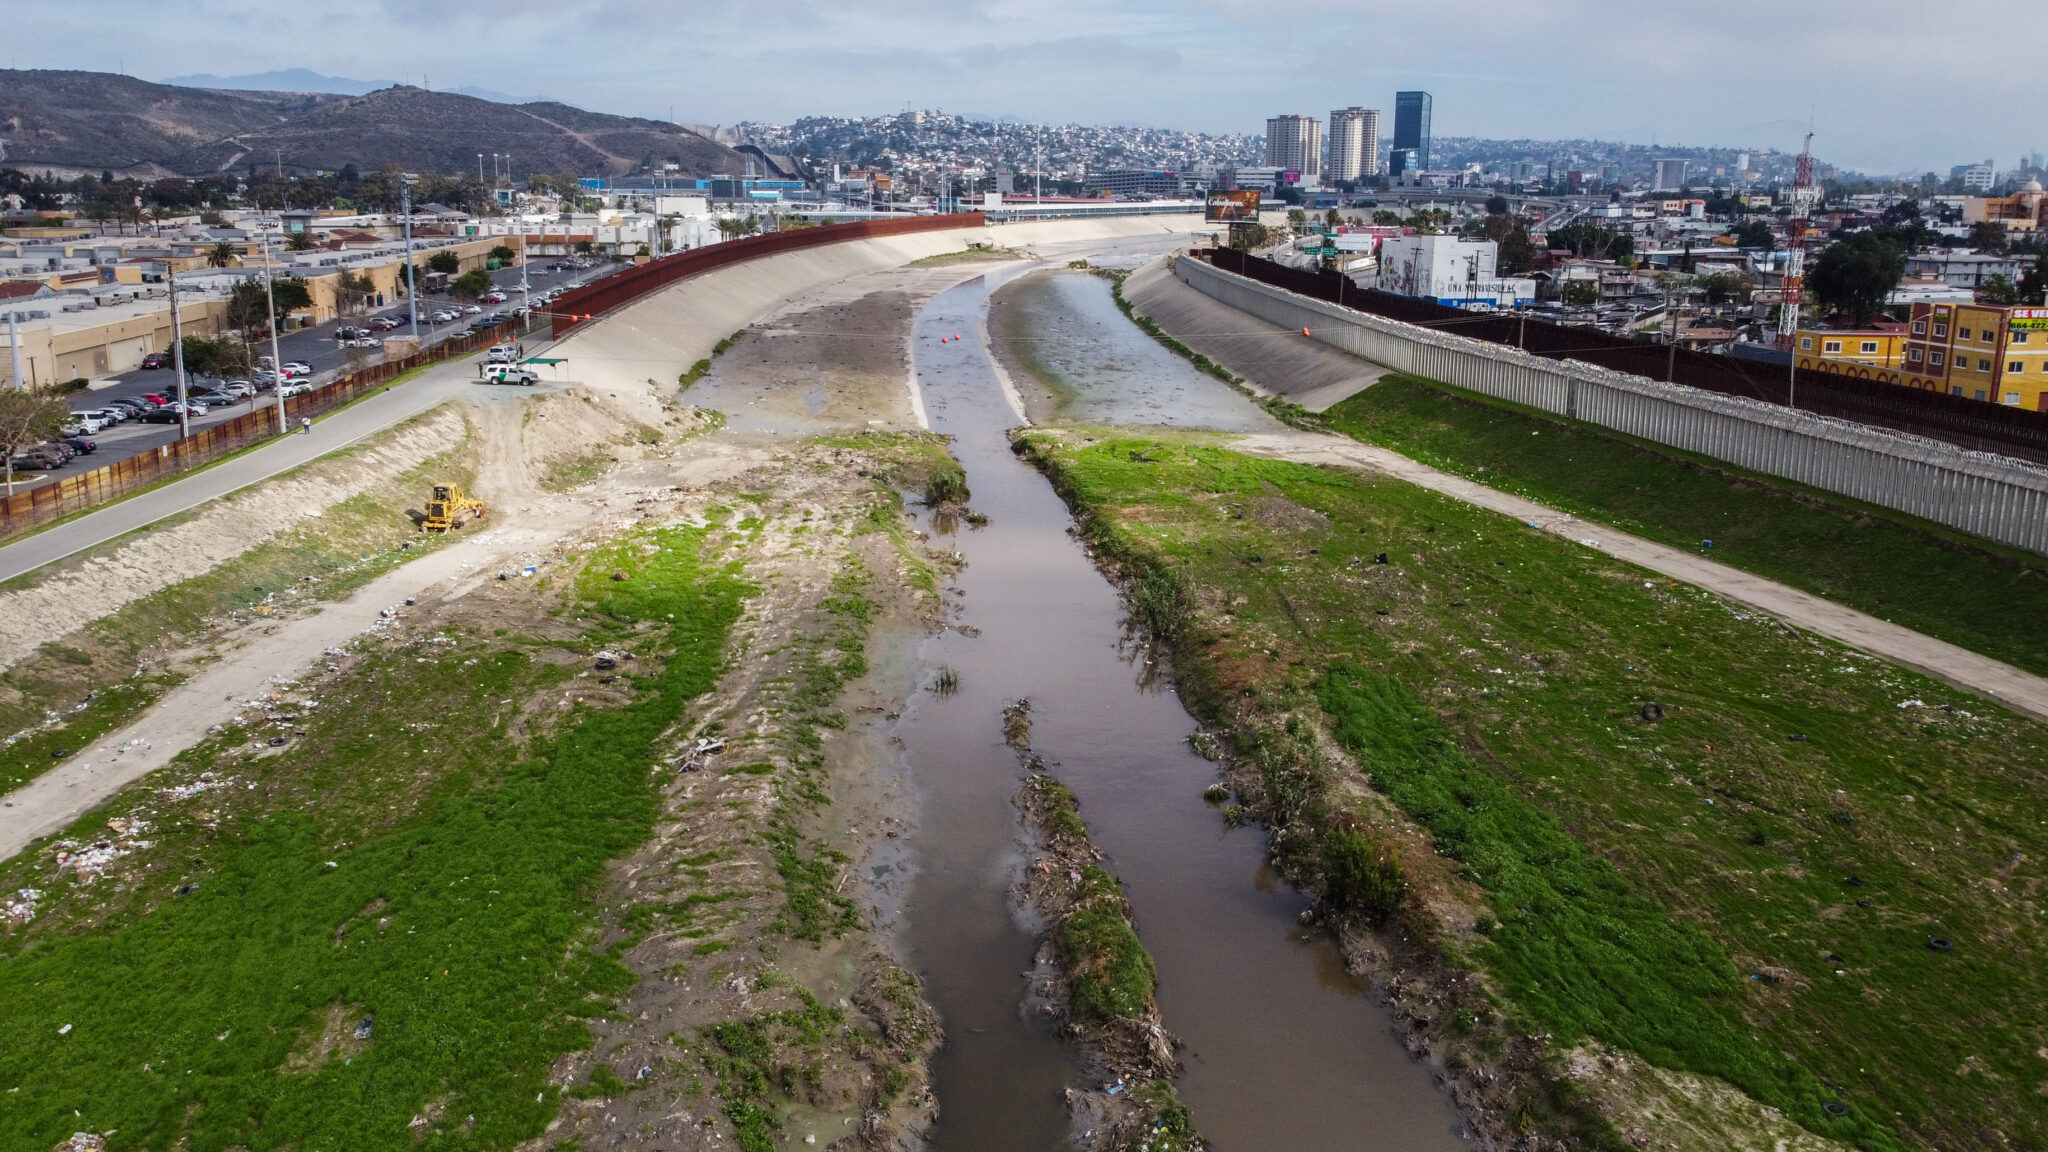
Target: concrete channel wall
x: 1990, y: 496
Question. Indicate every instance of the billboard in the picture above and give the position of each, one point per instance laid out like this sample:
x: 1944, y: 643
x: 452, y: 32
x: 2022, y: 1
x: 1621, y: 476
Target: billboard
x: 1234, y: 205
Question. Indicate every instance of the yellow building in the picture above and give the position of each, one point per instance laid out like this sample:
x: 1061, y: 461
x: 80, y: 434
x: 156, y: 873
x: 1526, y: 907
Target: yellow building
x: 2024, y: 211
x: 1852, y: 351
x: 1980, y: 352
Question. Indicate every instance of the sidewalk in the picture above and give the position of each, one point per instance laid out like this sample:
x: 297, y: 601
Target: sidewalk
x: 373, y: 414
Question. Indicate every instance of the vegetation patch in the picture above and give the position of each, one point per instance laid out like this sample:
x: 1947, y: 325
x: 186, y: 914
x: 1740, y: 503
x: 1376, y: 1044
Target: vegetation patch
x: 429, y: 866
x: 1801, y: 871
x: 1931, y: 579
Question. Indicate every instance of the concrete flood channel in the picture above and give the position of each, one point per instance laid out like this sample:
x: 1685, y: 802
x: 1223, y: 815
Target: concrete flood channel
x: 1283, y: 1048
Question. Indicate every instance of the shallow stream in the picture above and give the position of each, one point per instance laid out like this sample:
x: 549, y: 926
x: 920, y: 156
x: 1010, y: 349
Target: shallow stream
x: 1284, y: 1049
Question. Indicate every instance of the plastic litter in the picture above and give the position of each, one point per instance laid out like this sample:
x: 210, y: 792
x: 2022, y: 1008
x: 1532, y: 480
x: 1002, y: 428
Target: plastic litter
x: 364, y: 1027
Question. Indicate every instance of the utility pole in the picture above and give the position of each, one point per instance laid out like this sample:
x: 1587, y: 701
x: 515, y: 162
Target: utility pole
x: 1794, y: 286
x: 276, y: 357
x: 412, y: 277
x: 14, y: 346
x: 1671, y: 327
x: 178, y: 354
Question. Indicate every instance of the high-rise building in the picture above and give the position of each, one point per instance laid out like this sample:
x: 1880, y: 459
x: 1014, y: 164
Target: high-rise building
x: 1411, y: 124
x: 1354, y: 143
x: 1670, y: 176
x: 1401, y: 161
x: 1295, y: 143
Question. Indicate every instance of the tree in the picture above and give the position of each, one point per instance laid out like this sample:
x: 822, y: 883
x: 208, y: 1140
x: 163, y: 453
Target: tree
x: 444, y: 262
x: 218, y: 356
x: 1517, y: 251
x: 471, y: 284
x: 299, y: 242
x: 1754, y: 234
x: 1332, y: 219
x: 1581, y: 293
x: 1988, y: 236
x: 1727, y: 287
x: 2034, y: 281
x: 28, y: 417
x: 1250, y: 236
x: 1297, y: 219
x: 503, y: 253
x: 1385, y: 218
x: 222, y: 255
x: 248, y: 311
x: 1996, y: 289
x: 1856, y: 275
x: 1496, y: 205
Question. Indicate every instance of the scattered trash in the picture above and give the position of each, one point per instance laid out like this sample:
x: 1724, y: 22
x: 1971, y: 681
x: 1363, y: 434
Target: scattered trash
x: 1379, y: 557
x: 1797, y: 737
x: 1866, y: 902
x: 186, y: 889
x: 277, y: 741
x: 364, y: 1027
x: 59, y: 753
x: 1912, y: 704
x: 1653, y: 711
x: 643, y: 1073
x: 64, y: 1031
x: 605, y: 662
x: 620, y: 575
x: 1706, y: 543
x: 1854, y: 881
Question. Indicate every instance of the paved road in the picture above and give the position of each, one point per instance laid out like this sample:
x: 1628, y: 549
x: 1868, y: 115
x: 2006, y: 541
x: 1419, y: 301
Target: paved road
x: 314, y: 345
x: 366, y: 417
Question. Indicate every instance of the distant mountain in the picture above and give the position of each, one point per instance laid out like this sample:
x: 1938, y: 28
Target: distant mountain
x: 94, y: 120
x: 285, y: 80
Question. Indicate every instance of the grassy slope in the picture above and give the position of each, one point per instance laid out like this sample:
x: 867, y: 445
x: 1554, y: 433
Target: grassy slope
x: 1985, y: 598
x: 341, y: 879
x: 1496, y: 701
x: 325, y: 558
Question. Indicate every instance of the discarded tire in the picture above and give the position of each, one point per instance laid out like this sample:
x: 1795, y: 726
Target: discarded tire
x: 1941, y: 944
x: 1653, y: 711
x: 1866, y: 902
x: 1854, y: 881
x: 1835, y: 1108
x: 1798, y: 737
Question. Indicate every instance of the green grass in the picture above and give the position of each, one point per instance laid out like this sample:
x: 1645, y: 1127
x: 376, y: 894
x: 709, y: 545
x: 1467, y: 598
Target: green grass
x: 1981, y: 596
x: 1490, y: 678
x: 422, y: 869
x: 325, y: 558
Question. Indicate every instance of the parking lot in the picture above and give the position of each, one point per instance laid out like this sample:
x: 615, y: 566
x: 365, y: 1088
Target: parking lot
x: 315, y: 346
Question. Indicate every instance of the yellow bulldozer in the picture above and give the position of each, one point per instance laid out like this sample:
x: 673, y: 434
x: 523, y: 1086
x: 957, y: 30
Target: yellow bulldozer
x: 451, y: 508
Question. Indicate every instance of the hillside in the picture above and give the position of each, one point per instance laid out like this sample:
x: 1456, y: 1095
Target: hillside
x: 97, y: 120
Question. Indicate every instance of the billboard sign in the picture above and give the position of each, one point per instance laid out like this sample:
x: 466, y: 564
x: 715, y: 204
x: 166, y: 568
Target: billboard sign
x: 2028, y: 320
x: 1235, y: 205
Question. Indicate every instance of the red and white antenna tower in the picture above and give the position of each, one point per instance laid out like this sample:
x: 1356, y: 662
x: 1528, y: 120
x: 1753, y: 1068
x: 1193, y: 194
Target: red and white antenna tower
x: 1795, y: 245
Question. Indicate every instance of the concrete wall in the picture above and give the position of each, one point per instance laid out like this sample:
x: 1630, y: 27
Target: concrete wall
x: 1989, y: 496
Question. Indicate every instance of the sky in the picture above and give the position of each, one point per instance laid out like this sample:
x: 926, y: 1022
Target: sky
x: 1886, y: 86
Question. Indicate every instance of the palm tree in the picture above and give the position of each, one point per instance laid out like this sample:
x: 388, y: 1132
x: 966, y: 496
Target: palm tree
x: 221, y: 255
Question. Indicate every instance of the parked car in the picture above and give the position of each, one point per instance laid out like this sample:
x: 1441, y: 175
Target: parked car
x: 40, y: 458
x: 157, y: 360
x: 158, y: 398
x: 471, y: 310
x: 214, y: 399
x: 160, y: 416
x: 83, y: 424
x: 442, y: 316
x: 491, y: 298
x: 81, y: 445
x: 297, y: 368
x: 293, y: 388
x: 387, y: 323
x: 363, y: 342
x: 238, y: 388
x: 510, y: 374
x: 112, y: 415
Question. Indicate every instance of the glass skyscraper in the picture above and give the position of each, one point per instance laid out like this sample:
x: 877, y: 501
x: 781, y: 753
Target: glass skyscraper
x: 1411, y: 125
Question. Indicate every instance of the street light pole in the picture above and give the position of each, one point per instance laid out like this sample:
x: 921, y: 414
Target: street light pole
x: 412, y: 276
x: 276, y: 357
x: 178, y: 353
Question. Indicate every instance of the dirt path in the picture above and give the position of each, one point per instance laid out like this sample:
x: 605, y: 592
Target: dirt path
x: 1961, y: 667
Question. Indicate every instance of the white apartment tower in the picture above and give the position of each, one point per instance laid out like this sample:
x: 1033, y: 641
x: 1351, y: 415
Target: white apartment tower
x: 1354, y: 143
x: 1295, y: 143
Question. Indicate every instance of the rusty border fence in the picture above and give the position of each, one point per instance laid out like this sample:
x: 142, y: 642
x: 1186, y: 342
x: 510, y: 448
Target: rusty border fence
x: 593, y: 300
x: 1971, y: 424
x: 45, y: 503
x: 40, y: 505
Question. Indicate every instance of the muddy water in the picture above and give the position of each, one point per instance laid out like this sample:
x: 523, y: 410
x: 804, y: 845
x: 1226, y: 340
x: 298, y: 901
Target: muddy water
x: 1283, y: 1049
x: 1101, y: 370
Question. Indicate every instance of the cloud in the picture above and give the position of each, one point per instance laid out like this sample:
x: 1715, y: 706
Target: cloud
x: 1881, y: 93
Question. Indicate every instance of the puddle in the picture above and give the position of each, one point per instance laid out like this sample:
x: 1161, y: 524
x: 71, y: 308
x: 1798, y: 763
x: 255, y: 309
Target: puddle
x: 1284, y: 1050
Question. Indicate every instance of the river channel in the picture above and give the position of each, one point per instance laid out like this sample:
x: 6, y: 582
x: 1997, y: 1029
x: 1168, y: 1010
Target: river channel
x: 1284, y: 1050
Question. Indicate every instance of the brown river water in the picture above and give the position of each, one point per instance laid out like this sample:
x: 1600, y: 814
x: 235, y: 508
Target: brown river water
x: 1284, y: 1050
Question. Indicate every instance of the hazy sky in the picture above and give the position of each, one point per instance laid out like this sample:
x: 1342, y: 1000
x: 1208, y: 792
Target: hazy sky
x: 1889, y: 86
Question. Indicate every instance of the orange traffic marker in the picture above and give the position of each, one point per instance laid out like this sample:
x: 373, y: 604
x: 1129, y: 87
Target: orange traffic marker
x: 1304, y: 331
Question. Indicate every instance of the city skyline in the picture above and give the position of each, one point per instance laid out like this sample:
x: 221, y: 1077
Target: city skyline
x: 1211, y: 66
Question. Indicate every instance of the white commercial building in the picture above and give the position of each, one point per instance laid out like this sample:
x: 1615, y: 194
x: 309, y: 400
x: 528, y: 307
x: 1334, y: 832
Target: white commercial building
x: 1354, y: 143
x: 1670, y: 176
x: 1295, y: 144
x: 1451, y: 270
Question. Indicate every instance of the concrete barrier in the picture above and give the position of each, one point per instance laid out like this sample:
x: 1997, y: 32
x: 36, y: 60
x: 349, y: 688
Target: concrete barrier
x: 1995, y: 497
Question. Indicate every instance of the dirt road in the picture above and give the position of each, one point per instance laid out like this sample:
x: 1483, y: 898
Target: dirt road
x: 1961, y: 667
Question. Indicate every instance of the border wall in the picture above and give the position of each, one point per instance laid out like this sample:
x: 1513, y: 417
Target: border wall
x: 1994, y: 497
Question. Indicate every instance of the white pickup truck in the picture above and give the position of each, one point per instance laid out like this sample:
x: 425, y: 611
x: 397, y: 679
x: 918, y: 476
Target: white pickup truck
x: 510, y: 374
